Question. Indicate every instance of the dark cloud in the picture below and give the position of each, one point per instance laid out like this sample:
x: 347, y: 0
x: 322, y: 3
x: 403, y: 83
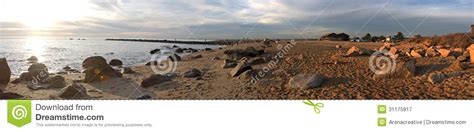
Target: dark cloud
x: 267, y: 18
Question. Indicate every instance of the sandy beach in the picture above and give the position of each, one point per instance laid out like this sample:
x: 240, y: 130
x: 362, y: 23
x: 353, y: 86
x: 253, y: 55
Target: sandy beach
x: 344, y: 77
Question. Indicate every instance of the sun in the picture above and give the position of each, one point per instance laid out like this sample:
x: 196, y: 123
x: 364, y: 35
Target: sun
x: 42, y: 14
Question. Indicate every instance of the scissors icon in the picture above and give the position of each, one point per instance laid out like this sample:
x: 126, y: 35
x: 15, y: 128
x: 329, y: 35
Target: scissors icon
x: 315, y: 106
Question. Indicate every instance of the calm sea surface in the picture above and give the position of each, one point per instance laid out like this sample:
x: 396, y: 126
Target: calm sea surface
x: 57, y: 53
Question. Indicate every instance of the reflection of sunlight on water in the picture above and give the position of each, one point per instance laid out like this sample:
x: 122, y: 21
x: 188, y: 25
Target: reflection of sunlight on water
x: 35, y: 46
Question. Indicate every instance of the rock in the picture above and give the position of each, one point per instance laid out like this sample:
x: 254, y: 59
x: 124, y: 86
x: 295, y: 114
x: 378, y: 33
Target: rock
x: 93, y: 61
x: 356, y: 51
x: 394, y: 51
x: 431, y: 52
x: 32, y: 59
x: 127, y: 70
x: 67, y: 68
x: 56, y: 82
x: 116, y: 62
x: 415, y: 54
x: 250, y: 52
x: 464, y: 57
x: 170, y: 75
x: 261, y: 51
x: 247, y: 74
x: 144, y: 97
x: 192, y: 73
x: 9, y: 95
x: 5, y: 72
x: 74, y: 91
x: 306, y: 81
x: 154, y: 79
x: 457, y: 66
x: 215, y: 58
x: 179, y: 50
x: 444, y: 52
x: 437, y: 78
x: 174, y: 57
x: 39, y: 72
x: 256, y: 61
x: 403, y: 69
x: 241, y: 67
x: 471, y: 52
x: 26, y: 76
x: 338, y: 46
x: 97, y: 69
x: 207, y: 49
x: 155, y: 51
x: 229, y: 63
x: 196, y: 56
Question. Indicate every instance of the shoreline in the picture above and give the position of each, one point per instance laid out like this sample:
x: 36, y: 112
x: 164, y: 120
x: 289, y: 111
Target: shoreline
x: 205, y: 75
x: 168, y: 41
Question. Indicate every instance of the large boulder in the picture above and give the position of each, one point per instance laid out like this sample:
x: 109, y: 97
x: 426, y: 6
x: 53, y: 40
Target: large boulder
x: 357, y: 51
x: 32, y: 59
x: 250, y: 52
x: 192, y: 73
x: 416, y: 54
x: 116, y: 62
x: 444, y: 52
x: 38, y: 72
x: 471, y: 52
x: 256, y: 61
x: 98, y: 70
x: 56, y: 82
x: 154, y: 79
x: 5, y: 72
x: 179, y: 50
x: 174, y: 57
x: 74, y: 91
x: 229, y: 63
x: 431, y: 52
x: 306, y: 81
x: 437, y: 78
x: 241, y: 67
x: 403, y: 69
x: 93, y: 61
x: 457, y: 66
x: 155, y: 51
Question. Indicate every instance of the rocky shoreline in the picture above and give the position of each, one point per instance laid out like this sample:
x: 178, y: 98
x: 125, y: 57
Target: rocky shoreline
x: 261, y: 70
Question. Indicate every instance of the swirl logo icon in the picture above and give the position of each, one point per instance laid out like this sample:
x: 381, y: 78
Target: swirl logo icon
x: 382, y: 62
x: 161, y: 65
x: 19, y: 112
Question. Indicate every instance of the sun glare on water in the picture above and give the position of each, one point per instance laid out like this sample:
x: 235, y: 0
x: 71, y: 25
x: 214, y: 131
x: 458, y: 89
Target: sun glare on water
x: 35, y: 46
x: 41, y: 14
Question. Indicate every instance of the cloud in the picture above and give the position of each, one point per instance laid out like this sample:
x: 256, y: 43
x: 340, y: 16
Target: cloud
x: 256, y: 18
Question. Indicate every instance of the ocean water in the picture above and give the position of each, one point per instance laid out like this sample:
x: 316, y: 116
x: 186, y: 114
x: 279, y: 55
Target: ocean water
x: 56, y: 53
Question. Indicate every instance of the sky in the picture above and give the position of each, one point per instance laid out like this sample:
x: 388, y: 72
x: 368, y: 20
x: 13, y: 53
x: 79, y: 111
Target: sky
x: 232, y: 19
